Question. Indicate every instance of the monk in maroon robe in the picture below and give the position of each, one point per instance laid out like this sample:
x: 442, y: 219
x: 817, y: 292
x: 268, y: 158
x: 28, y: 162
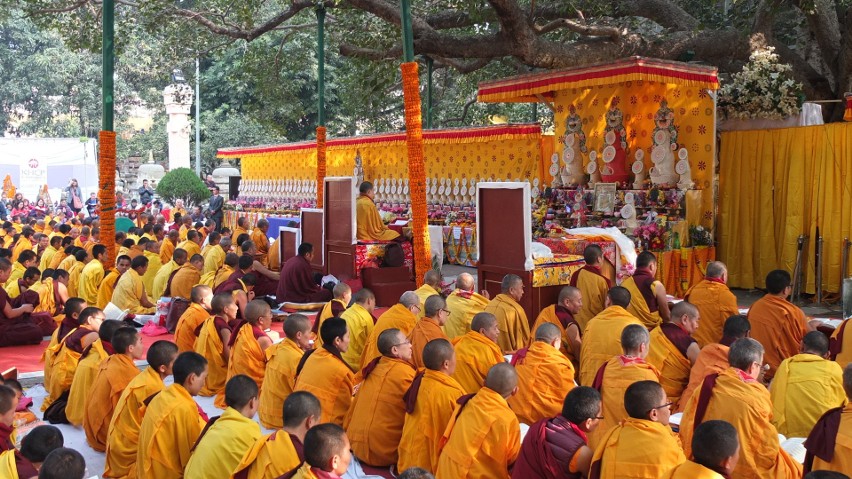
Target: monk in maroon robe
x: 297, y: 284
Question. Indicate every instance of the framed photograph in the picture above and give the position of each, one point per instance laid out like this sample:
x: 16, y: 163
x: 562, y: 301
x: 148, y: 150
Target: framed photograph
x: 605, y: 197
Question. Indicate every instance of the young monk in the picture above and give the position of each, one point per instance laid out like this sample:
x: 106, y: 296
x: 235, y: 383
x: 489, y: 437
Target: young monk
x: 248, y: 345
x: 123, y: 432
x: 401, y: 316
x: 69, y: 322
x: 172, y: 422
x: 828, y: 444
x: 81, y: 259
x: 464, y: 303
x: 181, y: 283
x: 715, y: 303
x: 280, y: 376
x: 327, y: 453
x: 214, y: 257
x: 716, y: 450
x: 593, y: 285
x: 648, y: 300
x: 152, y: 252
x: 334, y: 308
x: 428, y: 327
x: 601, y: 339
x: 360, y: 322
x: 87, y: 370
x: 8, y: 404
x: 178, y: 258
x: 561, y: 314
x: 201, y: 297
x: 511, y: 317
x: 214, y: 336
x: 92, y: 275
x: 35, y: 447
x: 323, y: 372
x: 15, y: 329
x: 227, y: 438
x: 375, y: 418
x: 47, y: 256
x: 674, y: 351
x: 107, y: 286
x: 476, y: 352
x: 63, y: 463
x: 114, y: 374
x: 130, y: 292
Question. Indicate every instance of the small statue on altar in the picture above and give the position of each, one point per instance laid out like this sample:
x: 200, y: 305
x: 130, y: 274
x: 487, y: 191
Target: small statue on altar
x: 615, y: 152
x: 665, y: 144
x: 359, y: 168
x: 572, y: 173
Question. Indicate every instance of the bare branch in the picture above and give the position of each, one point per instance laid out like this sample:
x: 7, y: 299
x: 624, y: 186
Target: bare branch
x: 582, y: 28
x: 464, y: 67
x: 370, y: 53
x: 71, y: 7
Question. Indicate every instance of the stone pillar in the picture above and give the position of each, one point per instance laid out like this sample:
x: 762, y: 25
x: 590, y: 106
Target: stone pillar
x: 178, y: 100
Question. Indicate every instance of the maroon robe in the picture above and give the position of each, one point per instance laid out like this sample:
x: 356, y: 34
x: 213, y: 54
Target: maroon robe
x: 297, y: 283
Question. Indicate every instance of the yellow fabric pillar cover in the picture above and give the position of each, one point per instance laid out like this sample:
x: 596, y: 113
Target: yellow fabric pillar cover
x: 545, y: 376
x: 475, y: 354
x: 602, y: 340
x: 638, y: 448
x: 673, y: 366
x: 463, y: 306
x: 279, y: 380
x: 512, y: 322
x: 803, y: 389
x: 223, y: 446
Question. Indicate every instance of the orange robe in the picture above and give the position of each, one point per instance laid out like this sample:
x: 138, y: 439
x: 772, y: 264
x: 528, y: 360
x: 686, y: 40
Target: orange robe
x: 399, y: 317
x: 328, y: 378
x: 475, y: 354
x: 512, y: 321
x: 23, y: 244
x: 128, y: 293
x: 779, y: 326
x: 745, y: 404
x: 114, y: 374
x: 716, y: 303
x: 842, y: 460
x: 370, y: 226
x: 426, y: 421
x: 637, y: 448
x: 375, y: 418
x: 214, y: 259
x: 81, y: 385
x: 639, y: 307
x: 544, y: 378
x: 593, y: 288
x: 271, y: 456
x: 712, y: 359
x: 188, y: 322
x: 426, y: 330
x: 602, y: 340
x: 107, y: 288
x: 184, y: 280
x: 223, y: 446
x: 135, y: 251
x: 482, y: 439
x: 274, y: 256
x: 279, y: 381
x: 548, y: 315
x: 222, y: 274
x: 167, y: 249
x: 247, y: 357
x: 209, y: 344
x: 326, y: 312
x: 674, y: 367
x: 423, y: 292
x: 161, y: 279
x: 262, y: 244
x: 841, y: 342
x: 360, y: 324
x: 57, y: 258
x: 691, y: 470
x: 463, y: 306
x: 46, y: 258
x: 191, y: 248
x: 803, y: 389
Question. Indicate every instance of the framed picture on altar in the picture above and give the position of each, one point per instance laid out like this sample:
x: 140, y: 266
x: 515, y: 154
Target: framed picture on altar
x: 605, y: 197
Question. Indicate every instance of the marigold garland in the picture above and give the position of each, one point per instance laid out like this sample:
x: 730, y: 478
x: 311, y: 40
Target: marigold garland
x: 416, y: 169
x: 321, y: 166
x: 106, y: 195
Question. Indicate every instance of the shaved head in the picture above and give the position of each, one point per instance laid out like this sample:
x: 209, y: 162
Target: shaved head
x: 502, y: 379
x: 388, y: 339
x: 632, y: 337
x: 547, y: 332
x: 465, y: 282
x: 409, y: 299
x: 715, y: 269
x: 482, y: 321
x: 815, y: 342
x: 432, y: 278
x: 619, y: 296
x: 509, y: 282
x: 299, y: 406
x: 296, y: 323
x: 436, y: 352
x: 684, y: 308
x: 568, y: 292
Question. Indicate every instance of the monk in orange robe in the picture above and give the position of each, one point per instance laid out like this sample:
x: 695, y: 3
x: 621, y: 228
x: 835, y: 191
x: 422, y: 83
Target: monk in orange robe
x: 602, y: 337
x: 511, y: 317
x: 673, y: 351
x: 736, y: 396
x: 562, y: 315
x: 429, y: 403
x: 81, y: 260
x: 168, y: 247
x: 241, y: 227
x: 715, y: 303
x: 593, y: 285
x: 107, y: 287
x: 464, y: 303
x: 87, y: 371
x: 214, y: 338
x: 375, y: 418
x: 267, y: 279
x: 323, y: 372
x: 360, y: 323
x: 643, y: 445
x: 648, y: 300
x: 261, y: 241
x: 840, y: 347
x: 47, y: 256
x: 431, y: 286
x: 65, y: 354
x: 248, y: 346
x: 477, y: 352
x: 715, y: 451
x: 401, y: 316
x: 829, y: 445
x: 327, y: 453
x: 281, y: 363
x: 69, y: 322
x: 191, y: 319
x: 429, y: 327
x: 777, y: 322
x: 334, y: 308
x: 483, y: 437
x: 181, y: 283
x: 215, y: 278
x: 370, y: 226
x: 130, y: 292
x: 545, y: 376
x: 122, y: 441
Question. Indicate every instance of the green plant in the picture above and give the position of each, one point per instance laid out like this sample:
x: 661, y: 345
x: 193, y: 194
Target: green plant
x: 183, y: 183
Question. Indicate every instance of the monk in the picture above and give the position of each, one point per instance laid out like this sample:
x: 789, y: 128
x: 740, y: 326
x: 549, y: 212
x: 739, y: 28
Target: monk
x: 223, y: 273
x: 323, y: 372
x: 673, y: 351
x: 184, y: 278
x: 123, y: 431
x: 511, y: 317
x: 369, y: 222
x: 296, y: 283
x: 107, y: 286
x: 281, y: 363
x: 259, y: 236
x: 545, y: 376
x: 464, y: 303
x: 192, y: 243
x: 198, y: 311
x: 401, y: 316
x: 617, y: 374
x: 593, y: 285
x: 92, y: 275
x: 715, y: 450
x: 840, y: 346
x: 152, y: 252
x: 87, y: 369
x: 476, y: 352
x: 429, y: 327
x: 15, y: 329
x: 360, y: 322
x: 275, y: 255
x: 179, y: 257
x: 231, y: 283
x: 828, y: 446
x: 69, y: 322
x: 327, y: 453
x: 25, y: 259
x: 8, y: 404
x: 431, y: 286
x: 777, y: 322
x: 172, y: 422
x: 215, y: 257
x: 81, y: 258
x: 62, y: 254
x: 248, y: 345
x: 225, y: 441
x: 240, y: 229
x: 736, y: 396
x: 648, y: 301
x: 24, y: 242
x: 47, y: 256
x: 65, y: 355
x: 210, y: 242
x: 562, y: 315
x: 805, y: 387
x: 114, y: 374
x: 601, y: 339
x: 483, y: 437
x: 375, y: 418
x: 267, y: 280
x: 555, y: 447
x: 213, y: 342
x: 429, y: 403
x: 130, y: 293
x: 643, y: 445
x: 167, y: 249
x: 14, y: 289
x: 713, y: 358
x: 715, y: 303
x: 35, y: 447
x: 334, y: 308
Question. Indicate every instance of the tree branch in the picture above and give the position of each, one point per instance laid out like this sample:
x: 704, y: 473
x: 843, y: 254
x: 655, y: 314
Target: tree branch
x: 577, y: 27
x: 370, y: 53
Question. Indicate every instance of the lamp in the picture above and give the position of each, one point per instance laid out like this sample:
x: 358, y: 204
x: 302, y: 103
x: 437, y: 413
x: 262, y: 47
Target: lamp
x: 177, y: 76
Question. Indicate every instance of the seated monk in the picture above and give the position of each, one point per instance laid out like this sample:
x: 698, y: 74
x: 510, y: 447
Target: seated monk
x: 47, y: 256
x: 593, y: 285
x: 715, y: 452
x: 239, y: 243
x: 25, y: 260
x: 477, y: 352
x: 65, y: 355
x: 172, y: 422
x: 545, y: 376
x: 275, y: 454
x: 107, y: 286
x: 375, y: 418
x: 87, y: 369
x: 210, y: 242
x: 267, y: 280
x: 715, y: 303
x: 776, y: 321
x: 241, y: 227
x: 261, y: 241
x: 805, y: 387
x: 215, y: 257
x: 35, y: 447
x: 464, y: 303
x: 511, y: 317
x: 8, y: 404
x: 327, y: 453
x: 713, y: 358
x: 370, y: 226
x: 179, y: 257
x: 829, y: 444
x: 192, y: 243
x: 562, y: 315
x: 114, y: 374
x: 275, y: 255
x: 242, y: 289
x: 360, y: 323
x: 167, y: 248
x: 401, y: 316
x: 15, y: 290
x: 280, y: 376
x: 648, y: 300
x: 431, y: 286
x: 70, y: 321
x: 92, y: 276
x: 191, y: 319
x: 617, y: 374
x: 297, y: 283
x: 673, y: 351
x: 323, y: 373
x: 601, y: 339
x: 429, y: 403
x: 130, y: 292
x: 152, y: 252
x: 483, y: 436
x: 334, y: 308
x: 643, y: 445
x: 81, y: 259
x: 248, y: 345
x: 225, y: 440
x: 66, y: 249
x: 52, y: 293
x: 244, y: 267
x: 184, y: 278
x: 213, y: 342
x: 735, y: 395
x: 840, y: 346
x: 555, y: 447
x: 221, y: 275
x: 429, y: 327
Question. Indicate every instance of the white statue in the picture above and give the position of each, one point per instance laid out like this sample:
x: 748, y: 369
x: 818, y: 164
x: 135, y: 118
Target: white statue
x: 682, y: 168
x: 638, y: 169
x: 575, y: 144
x: 178, y: 99
x: 359, y: 169
x: 665, y: 144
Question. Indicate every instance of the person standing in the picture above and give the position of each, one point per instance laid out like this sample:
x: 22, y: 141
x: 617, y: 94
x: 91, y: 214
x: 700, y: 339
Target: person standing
x: 146, y: 193
x: 215, y: 207
x: 74, y: 196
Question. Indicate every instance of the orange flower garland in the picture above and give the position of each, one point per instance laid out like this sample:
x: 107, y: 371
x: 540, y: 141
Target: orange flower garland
x: 321, y: 167
x: 106, y: 195
x: 416, y: 169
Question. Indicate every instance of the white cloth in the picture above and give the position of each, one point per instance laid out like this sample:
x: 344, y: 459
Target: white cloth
x: 810, y: 115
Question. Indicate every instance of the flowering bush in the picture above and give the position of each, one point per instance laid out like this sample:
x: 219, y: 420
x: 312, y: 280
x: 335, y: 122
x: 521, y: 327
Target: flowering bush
x: 651, y: 235
x: 699, y: 236
x: 763, y: 89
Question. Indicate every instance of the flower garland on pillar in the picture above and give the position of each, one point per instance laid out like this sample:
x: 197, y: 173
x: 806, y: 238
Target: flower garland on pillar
x: 106, y: 195
x: 416, y: 169
x: 321, y: 167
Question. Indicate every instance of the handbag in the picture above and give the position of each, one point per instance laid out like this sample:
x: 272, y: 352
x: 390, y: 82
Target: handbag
x: 75, y: 201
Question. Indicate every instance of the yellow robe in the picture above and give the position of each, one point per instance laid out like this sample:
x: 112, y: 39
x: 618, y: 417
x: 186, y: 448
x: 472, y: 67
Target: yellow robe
x: 712, y: 359
x: 424, y: 331
x: 8, y: 465
x: 13, y: 289
x: 162, y: 278
x: 46, y: 258
x: 154, y: 265
x: 360, y: 324
x: 674, y: 367
x: 81, y: 385
x: 247, y: 358
x: 114, y: 374
x: 716, y: 303
x: 182, y: 232
x: 209, y: 344
x: 423, y: 293
x: 331, y: 381
x: 222, y: 275
x: 844, y: 357
x: 106, y: 288
x: 16, y: 274
x: 223, y: 446
x: 305, y: 472
x: 191, y: 248
x: 274, y: 256
x: 399, y: 317
x: 691, y: 470
x: 602, y: 340
x: 22, y: 245
x: 271, y: 456
x: 184, y: 280
x: 326, y: 312
x: 803, y: 389
x: 214, y: 260
x: 593, y: 289
x: 842, y: 460
x: 370, y: 224
x: 167, y: 249
x: 170, y: 427
x: 638, y: 449
x: 262, y: 244
x: 545, y: 376
x: 74, y: 279
x: 90, y: 280
x: 639, y: 307
x: 780, y: 326
x: 66, y: 263
x: 463, y: 306
x: 128, y: 293
x: 279, y: 381
x: 548, y: 315
x: 512, y: 321
x: 475, y: 354
x: 123, y: 433
x: 188, y: 322
x: 58, y: 258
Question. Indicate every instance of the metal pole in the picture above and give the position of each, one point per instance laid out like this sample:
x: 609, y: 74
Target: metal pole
x: 819, y: 271
x: 320, y: 64
x: 407, y: 32
x: 108, y: 49
x: 197, y: 118
x: 797, y: 270
x: 429, y: 70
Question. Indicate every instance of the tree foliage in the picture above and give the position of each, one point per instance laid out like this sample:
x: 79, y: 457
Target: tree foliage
x: 183, y: 183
